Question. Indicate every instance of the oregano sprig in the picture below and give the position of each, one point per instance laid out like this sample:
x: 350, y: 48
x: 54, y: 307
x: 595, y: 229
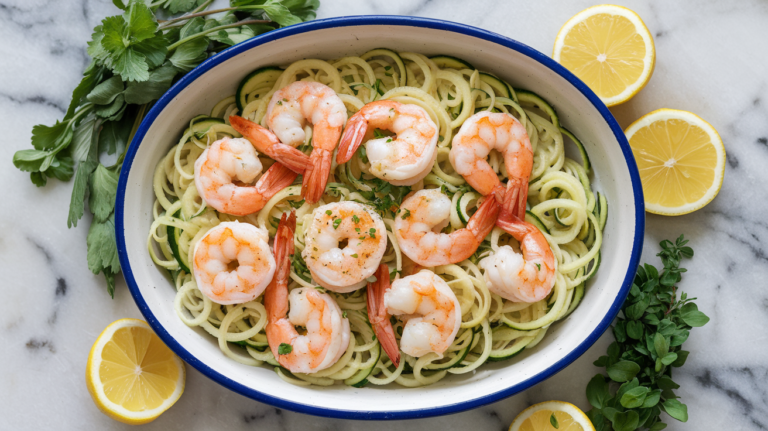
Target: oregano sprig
x: 135, y: 59
x: 649, y: 336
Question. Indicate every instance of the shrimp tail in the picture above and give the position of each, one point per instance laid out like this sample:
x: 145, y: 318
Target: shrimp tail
x: 276, y: 294
x: 277, y: 177
x: 316, y: 176
x: 482, y: 221
x: 377, y: 314
x: 513, y: 225
x: 515, y: 198
x: 356, y: 128
x: 266, y: 142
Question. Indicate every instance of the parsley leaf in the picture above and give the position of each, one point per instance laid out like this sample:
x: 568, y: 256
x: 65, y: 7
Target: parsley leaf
x: 284, y: 349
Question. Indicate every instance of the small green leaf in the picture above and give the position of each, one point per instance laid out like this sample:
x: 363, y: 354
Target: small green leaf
x: 110, y: 110
x: 669, y: 358
x: 682, y: 355
x: 284, y: 349
x: 336, y: 223
x: 665, y: 383
x: 188, y: 55
x: 635, y: 329
x: 159, y: 81
x: 597, y: 419
x: 597, y: 391
x: 553, y: 421
x: 692, y: 316
x: 61, y: 168
x: 29, y: 160
x: 658, y: 426
x: 625, y: 421
x: 652, y: 398
x: 623, y: 371
x: 38, y: 179
x: 676, y: 409
x: 48, y: 137
x: 634, y: 397
x: 105, y: 92
x: 102, y: 246
x: 660, y: 344
x: 103, y: 189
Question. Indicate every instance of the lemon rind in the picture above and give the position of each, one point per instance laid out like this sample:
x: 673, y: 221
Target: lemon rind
x: 642, y: 30
x: 666, y: 113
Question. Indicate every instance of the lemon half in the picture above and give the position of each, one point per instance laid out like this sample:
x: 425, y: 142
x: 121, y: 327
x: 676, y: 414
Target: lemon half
x: 538, y: 418
x: 132, y: 376
x: 681, y: 159
x: 610, y: 49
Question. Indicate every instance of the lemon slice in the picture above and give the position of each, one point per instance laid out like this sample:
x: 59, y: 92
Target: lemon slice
x: 610, y: 49
x: 132, y: 376
x: 538, y: 417
x: 681, y: 159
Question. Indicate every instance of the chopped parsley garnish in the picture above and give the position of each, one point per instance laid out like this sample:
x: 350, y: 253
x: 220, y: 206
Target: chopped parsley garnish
x: 406, y: 214
x: 284, y: 349
x: 336, y: 223
x: 329, y: 212
x: 354, y: 255
x: 356, y: 219
x: 296, y: 204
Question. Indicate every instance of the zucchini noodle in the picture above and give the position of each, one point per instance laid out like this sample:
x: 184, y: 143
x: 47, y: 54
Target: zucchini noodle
x: 561, y: 204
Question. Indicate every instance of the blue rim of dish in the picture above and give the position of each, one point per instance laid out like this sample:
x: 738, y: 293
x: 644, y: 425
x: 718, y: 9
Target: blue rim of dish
x: 398, y: 21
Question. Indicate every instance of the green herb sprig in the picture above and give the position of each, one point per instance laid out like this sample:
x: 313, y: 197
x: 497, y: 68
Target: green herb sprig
x: 649, y: 338
x: 135, y: 59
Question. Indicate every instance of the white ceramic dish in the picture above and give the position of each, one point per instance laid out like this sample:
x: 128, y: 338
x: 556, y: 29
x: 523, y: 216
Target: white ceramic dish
x: 615, y: 174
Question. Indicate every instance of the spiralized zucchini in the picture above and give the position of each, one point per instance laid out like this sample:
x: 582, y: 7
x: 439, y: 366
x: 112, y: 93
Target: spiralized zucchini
x: 561, y: 203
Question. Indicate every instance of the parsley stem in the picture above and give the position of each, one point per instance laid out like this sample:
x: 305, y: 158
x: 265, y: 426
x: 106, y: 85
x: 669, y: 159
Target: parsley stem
x: 211, y: 30
x: 195, y: 14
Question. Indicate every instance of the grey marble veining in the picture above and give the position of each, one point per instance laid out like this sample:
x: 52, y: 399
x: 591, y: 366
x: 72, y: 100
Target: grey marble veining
x: 710, y: 60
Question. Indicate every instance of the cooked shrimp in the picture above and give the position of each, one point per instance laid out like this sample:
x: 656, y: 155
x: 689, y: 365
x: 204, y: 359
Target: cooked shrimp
x: 266, y: 142
x: 338, y: 267
x: 521, y: 278
x: 403, y: 159
x: 379, y: 317
x: 430, y: 310
x: 290, y: 109
x: 223, y: 174
x: 486, y: 131
x: 232, y: 263
x: 424, y: 214
x: 327, y: 331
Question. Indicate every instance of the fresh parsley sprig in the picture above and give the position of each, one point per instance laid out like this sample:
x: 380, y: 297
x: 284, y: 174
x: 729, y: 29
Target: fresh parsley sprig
x: 135, y: 59
x: 649, y: 338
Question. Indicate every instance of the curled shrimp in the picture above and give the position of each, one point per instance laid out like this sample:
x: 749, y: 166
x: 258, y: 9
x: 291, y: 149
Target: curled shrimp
x: 266, y: 142
x: 486, y: 131
x: 521, y: 278
x: 327, y: 331
x: 426, y: 304
x: 223, y: 174
x: 403, y: 159
x: 297, y: 104
x: 344, y: 245
x: 232, y: 263
x: 425, y: 213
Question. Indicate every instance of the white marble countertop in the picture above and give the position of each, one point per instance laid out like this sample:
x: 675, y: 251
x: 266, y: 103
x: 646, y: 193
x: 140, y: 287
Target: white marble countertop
x: 711, y: 59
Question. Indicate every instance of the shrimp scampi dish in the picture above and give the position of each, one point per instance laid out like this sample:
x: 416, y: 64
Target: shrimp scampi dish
x: 382, y: 219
